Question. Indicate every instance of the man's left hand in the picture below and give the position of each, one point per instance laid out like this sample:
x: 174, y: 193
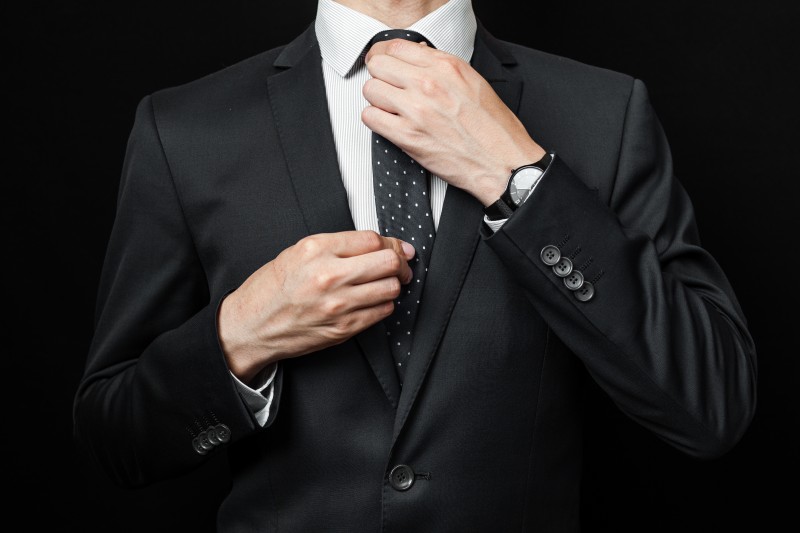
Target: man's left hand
x: 441, y: 112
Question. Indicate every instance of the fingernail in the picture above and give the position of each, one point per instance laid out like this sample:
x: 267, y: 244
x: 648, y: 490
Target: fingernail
x: 408, y: 250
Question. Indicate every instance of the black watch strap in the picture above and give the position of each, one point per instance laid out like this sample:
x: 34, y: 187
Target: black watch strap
x: 498, y: 210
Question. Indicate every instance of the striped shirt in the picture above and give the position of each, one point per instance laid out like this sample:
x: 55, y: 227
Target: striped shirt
x: 343, y: 35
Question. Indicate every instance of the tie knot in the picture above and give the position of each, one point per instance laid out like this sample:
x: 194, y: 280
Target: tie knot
x: 408, y: 35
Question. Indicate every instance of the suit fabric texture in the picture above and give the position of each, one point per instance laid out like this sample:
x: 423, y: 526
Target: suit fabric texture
x: 224, y: 173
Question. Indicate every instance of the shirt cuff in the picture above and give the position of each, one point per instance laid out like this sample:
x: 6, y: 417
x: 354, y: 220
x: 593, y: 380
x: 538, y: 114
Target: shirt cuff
x: 259, y: 398
x: 494, y: 225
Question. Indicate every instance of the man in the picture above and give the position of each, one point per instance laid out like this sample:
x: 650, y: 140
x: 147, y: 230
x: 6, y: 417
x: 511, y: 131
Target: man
x: 411, y: 368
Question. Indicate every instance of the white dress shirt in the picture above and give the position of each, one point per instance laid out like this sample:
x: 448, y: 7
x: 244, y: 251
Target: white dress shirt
x: 343, y: 35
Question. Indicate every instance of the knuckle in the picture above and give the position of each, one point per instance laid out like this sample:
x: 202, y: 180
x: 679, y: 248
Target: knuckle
x: 333, y: 307
x: 396, y: 45
x: 324, y: 280
x: 378, y: 60
x: 397, y: 246
x: 393, y: 287
x: 391, y: 260
x: 429, y: 86
x: 368, y: 116
x: 419, y: 109
x: 369, y: 85
x: 409, y: 137
x: 309, y: 245
x: 344, y: 326
x: 386, y: 310
x: 451, y: 63
x: 372, y: 240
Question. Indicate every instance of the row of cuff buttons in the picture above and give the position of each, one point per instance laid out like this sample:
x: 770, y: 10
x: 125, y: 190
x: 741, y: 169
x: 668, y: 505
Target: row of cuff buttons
x: 563, y: 268
x: 213, y: 436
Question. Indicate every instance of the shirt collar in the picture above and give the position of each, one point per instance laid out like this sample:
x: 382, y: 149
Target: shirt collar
x: 343, y: 33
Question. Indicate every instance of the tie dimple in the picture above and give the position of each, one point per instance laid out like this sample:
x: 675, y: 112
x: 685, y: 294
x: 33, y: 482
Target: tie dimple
x: 403, y: 204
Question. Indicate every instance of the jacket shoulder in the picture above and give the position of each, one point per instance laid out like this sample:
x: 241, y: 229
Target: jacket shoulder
x: 568, y: 75
x: 217, y: 92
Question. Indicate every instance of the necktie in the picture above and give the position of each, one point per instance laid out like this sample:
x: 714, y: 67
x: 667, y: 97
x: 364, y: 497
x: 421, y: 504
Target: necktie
x: 403, y: 204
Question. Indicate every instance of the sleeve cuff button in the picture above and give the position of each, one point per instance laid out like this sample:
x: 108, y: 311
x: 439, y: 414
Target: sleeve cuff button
x: 550, y: 255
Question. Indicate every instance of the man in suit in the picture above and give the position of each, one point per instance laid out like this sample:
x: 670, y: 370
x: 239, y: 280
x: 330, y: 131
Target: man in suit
x: 259, y: 297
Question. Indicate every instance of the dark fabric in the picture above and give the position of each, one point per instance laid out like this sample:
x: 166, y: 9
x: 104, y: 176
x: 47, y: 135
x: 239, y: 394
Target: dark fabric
x: 402, y: 201
x: 219, y: 177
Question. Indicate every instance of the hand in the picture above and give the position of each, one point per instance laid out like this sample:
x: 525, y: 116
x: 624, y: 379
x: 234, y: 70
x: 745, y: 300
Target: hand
x: 316, y: 293
x: 442, y: 113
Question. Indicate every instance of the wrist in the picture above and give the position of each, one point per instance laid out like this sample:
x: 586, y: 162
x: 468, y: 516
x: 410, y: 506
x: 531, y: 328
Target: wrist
x: 236, y: 347
x: 496, y: 181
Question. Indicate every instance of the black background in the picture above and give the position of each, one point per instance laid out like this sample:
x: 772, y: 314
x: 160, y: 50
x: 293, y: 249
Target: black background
x: 721, y: 76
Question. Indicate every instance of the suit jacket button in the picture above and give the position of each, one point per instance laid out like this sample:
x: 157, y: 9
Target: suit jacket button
x: 211, y: 433
x: 401, y: 477
x: 197, y: 447
x: 574, y: 281
x: 550, y: 255
x: 586, y: 292
x: 563, y: 268
x: 223, y: 433
x: 202, y: 438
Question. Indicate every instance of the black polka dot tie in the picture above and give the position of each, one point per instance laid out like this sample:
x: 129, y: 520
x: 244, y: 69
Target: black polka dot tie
x: 403, y: 203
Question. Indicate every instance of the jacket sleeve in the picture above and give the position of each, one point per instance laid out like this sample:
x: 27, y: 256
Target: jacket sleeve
x: 156, y: 396
x: 662, y: 334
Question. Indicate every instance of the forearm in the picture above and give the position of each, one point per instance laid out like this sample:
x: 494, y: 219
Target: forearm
x: 662, y: 334
x: 139, y: 417
x: 155, y: 376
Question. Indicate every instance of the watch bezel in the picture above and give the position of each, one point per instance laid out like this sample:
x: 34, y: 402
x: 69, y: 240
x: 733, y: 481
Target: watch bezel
x: 540, y: 165
x: 505, y: 206
x: 513, y: 190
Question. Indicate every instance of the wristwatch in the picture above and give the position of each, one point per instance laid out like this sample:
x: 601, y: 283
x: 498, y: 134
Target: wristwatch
x: 520, y: 185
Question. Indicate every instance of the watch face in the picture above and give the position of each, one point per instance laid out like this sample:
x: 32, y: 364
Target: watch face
x: 522, y: 183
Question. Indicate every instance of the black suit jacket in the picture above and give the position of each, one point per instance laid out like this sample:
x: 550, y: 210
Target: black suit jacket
x: 225, y: 172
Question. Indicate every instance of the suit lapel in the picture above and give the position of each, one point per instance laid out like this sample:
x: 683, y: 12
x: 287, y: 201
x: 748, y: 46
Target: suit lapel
x: 456, y: 239
x: 300, y: 109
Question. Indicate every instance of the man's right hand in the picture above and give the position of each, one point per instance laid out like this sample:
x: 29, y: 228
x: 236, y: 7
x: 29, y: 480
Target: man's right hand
x: 317, y: 293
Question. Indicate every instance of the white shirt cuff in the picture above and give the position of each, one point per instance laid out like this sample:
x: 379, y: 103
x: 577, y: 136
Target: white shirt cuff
x: 259, y: 399
x: 494, y: 225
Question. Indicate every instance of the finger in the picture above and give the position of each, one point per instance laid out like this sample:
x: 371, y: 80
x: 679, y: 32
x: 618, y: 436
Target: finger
x: 372, y: 293
x: 384, y: 95
x: 378, y: 265
x: 361, y: 319
x: 393, y: 70
x: 383, y: 123
x: 419, y: 54
x: 343, y: 243
x: 400, y: 247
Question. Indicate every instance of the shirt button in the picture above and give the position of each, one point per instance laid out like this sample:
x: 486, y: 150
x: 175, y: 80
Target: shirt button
x: 401, y: 477
x: 574, y: 281
x: 563, y: 268
x: 550, y: 255
x: 586, y: 292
